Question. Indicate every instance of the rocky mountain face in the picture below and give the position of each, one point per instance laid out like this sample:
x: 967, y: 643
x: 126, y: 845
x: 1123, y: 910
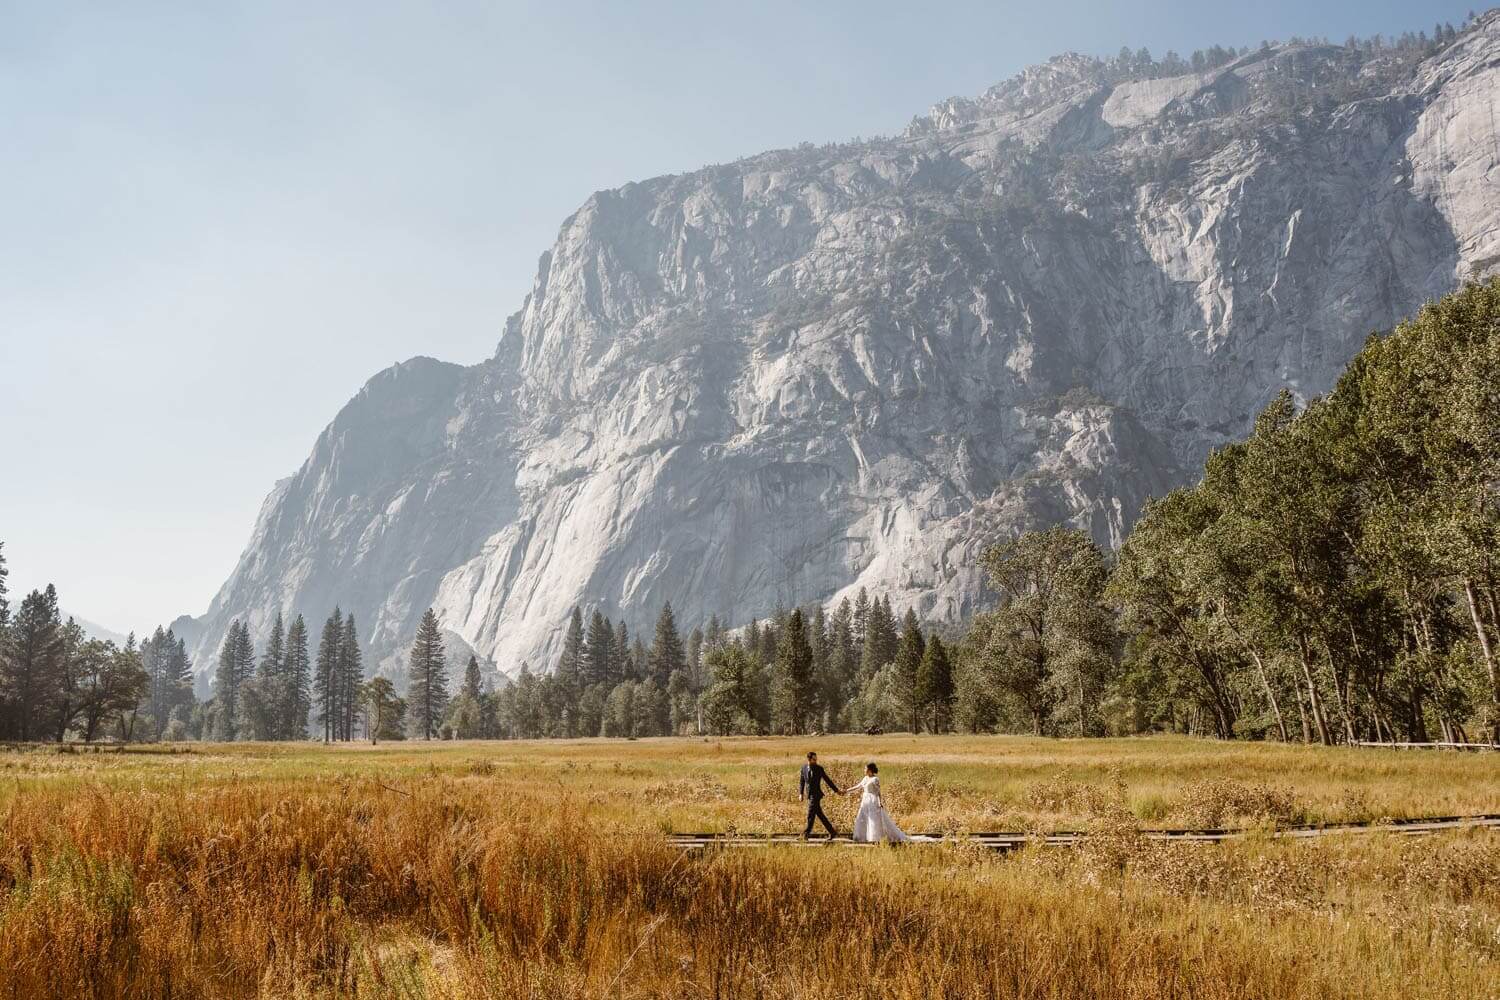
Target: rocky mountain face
x: 782, y: 379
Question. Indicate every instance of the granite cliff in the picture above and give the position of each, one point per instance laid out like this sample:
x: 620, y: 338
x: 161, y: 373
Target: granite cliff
x: 816, y: 369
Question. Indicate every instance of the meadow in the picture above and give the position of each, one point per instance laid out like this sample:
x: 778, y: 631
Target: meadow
x: 540, y: 869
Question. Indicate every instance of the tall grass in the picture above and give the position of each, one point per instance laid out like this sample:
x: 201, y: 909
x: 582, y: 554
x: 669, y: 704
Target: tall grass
x: 487, y: 883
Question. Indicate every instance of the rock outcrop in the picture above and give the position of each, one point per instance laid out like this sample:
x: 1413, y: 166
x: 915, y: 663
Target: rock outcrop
x: 824, y: 368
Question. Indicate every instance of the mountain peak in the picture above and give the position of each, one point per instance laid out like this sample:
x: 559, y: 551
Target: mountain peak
x: 779, y: 380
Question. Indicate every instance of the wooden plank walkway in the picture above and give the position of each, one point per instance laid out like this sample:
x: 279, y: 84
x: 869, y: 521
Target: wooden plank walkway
x: 1012, y: 840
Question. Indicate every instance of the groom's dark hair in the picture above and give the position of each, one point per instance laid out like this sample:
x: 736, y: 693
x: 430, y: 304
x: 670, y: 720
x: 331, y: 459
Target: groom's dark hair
x: 811, y: 754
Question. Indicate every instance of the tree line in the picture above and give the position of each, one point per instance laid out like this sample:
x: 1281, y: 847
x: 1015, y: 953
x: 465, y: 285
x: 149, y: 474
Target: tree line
x: 55, y: 680
x: 1333, y: 578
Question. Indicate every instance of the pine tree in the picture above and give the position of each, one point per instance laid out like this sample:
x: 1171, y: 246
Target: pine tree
x: 466, y: 711
x: 227, y: 686
x: 4, y: 603
x: 155, y: 656
x: 66, y: 707
x: 31, y: 670
x: 713, y: 636
x: 770, y: 638
x: 351, y: 676
x: 935, y: 684
x: 795, y: 692
x: 570, y: 668
x: 908, y: 664
x: 427, y: 688
x: 640, y: 660
x: 621, y: 668
x: 667, y: 655
x: 861, y: 620
x: 878, y: 649
x: 325, y: 678
x: 827, y: 687
x: 843, y: 656
x: 729, y: 703
x: 295, y: 692
x: 259, y: 695
x: 471, y: 679
x: 244, y: 673
x: 169, y: 675
x: 599, y: 653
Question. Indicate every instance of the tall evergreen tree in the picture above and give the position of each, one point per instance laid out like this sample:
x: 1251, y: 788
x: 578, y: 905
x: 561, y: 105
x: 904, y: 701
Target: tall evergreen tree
x: 935, y: 684
x: 908, y: 665
x: 351, y: 676
x: 599, y: 652
x: 427, y: 690
x: 843, y: 657
x: 326, y: 675
x: 667, y: 655
x: 236, y: 660
x: 621, y: 666
x: 466, y: 711
x: 258, y: 701
x: 881, y: 638
x: 4, y: 603
x: 66, y: 706
x: 795, y: 692
x: 155, y: 655
x: 471, y: 687
x: 31, y: 670
x: 729, y: 704
x: 570, y: 669
x: 861, y: 618
x: 295, y: 695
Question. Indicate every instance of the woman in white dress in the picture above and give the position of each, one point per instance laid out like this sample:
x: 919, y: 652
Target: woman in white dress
x: 872, y: 824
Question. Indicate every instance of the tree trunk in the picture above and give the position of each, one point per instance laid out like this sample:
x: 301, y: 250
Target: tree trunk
x: 1342, y: 696
x: 1489, y: 657
x: 1314, y: 703
x: 1265, y: 681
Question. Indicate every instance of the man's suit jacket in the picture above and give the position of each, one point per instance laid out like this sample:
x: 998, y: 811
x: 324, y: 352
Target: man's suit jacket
x: 811, y: 783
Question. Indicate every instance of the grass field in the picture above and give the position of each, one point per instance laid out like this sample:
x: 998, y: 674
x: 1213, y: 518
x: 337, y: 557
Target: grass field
x: 539, y: 869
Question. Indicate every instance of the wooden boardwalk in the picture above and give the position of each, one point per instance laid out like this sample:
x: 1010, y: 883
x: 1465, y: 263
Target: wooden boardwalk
x: 1011, y: 841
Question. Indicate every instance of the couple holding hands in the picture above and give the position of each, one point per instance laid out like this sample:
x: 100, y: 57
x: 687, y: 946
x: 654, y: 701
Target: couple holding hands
x: 872, y: 824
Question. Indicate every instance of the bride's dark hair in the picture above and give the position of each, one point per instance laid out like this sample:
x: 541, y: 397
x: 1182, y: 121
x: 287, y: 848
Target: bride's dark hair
x: 872, y: 768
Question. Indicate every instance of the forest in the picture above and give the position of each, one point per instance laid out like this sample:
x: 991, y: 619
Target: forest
x: 1333, y: 578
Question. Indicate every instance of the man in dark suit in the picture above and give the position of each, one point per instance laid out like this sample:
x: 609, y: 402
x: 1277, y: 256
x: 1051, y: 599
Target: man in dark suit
x: 810, y: 789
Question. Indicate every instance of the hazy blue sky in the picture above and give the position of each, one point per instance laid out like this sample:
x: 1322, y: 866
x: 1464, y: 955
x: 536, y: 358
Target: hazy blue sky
x: 217, y: 220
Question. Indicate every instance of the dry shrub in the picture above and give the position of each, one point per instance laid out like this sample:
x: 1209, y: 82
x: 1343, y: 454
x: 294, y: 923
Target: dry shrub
x: 1213, y: 803
x: 1465, y: 870
x: 1065, y: 794
x: 701, y: 787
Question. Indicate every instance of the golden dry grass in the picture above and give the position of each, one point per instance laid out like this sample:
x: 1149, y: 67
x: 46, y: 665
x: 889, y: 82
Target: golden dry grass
x: 504, y: 870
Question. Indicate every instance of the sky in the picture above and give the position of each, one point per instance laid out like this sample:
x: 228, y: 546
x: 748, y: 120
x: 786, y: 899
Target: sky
x: 217, y: 220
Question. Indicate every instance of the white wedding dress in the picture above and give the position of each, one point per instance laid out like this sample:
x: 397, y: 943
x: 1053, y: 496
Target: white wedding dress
x: 872, y: 824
